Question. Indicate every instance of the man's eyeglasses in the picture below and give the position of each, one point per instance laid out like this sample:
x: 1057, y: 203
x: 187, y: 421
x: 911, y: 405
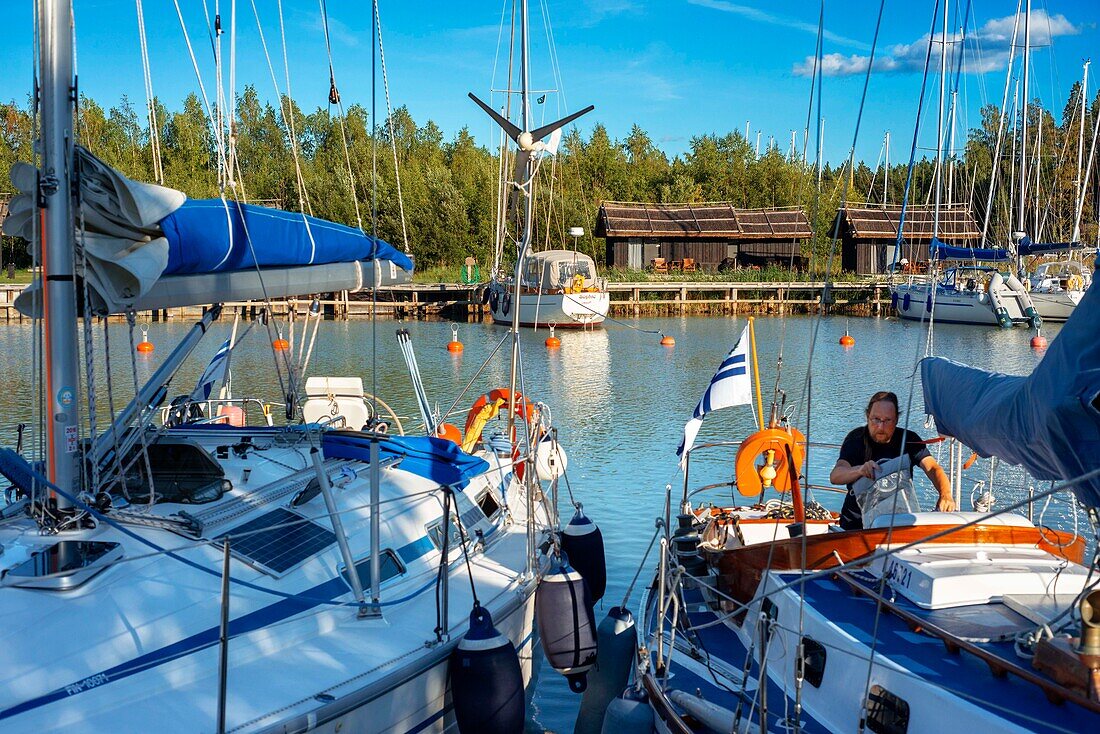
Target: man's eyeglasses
x: 882, y: 421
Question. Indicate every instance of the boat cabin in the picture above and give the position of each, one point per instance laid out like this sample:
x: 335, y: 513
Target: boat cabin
x: 554, y: 271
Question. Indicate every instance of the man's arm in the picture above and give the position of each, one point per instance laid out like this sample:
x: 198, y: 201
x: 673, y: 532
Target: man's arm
x: 845, y: 473
x: 938, y: 477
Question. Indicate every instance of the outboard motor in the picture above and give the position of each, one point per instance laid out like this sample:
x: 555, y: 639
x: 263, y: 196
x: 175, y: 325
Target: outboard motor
x: 582, y: 542
x: 563, y: 609
x: 486, y: 680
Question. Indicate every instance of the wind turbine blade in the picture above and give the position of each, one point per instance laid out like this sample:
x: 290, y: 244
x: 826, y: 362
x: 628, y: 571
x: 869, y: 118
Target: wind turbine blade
x: 541, y: 132
x: 512, y: 130
x: 520, y: 171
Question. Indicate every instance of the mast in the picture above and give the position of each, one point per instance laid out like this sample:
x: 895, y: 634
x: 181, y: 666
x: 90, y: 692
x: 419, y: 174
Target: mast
x: 57, y: 243
x: 939, y: 124
x: 1021, y: 193
x: 1081, y: 153
x: 886, y: 169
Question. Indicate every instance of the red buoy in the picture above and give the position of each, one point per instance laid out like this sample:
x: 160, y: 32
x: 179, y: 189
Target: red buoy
x: 847, y: 341
x: 454, y: 346
x: 552, y: 342
x: 668, y: 341
x: 1038, y: 341
x: 280, y: 345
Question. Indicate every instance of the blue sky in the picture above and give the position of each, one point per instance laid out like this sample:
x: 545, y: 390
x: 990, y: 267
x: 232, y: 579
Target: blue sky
x: 677, y: 68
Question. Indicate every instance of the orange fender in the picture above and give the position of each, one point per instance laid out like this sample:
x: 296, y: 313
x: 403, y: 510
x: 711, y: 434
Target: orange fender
x: 752, y: 456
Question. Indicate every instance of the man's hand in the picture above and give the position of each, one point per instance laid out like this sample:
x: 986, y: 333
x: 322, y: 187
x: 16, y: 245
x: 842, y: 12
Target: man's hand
x: 868, y: 470
x: 946, y: 504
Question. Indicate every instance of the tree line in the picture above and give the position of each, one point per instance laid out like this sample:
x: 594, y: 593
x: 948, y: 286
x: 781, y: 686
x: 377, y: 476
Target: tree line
x: 449, y: 187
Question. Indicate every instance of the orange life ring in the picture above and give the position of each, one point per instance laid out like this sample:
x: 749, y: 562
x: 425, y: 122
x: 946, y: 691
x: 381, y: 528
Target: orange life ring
x: 756, y: 447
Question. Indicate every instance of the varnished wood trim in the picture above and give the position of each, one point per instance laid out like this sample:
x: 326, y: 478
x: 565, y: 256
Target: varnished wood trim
x: 662, y: 707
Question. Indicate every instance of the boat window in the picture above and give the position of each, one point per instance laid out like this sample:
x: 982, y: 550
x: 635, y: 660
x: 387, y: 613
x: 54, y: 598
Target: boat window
x: 278, y: 541
x: 63, y: 565
x: 886, y: 713
x: 813, y: 661
x: 488, y: 504
x: 390, y: 566
x: 182, y: 472
x: 567, y: 270
x: 435, y: 532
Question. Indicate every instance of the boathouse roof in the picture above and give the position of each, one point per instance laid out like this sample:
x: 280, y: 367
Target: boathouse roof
x: 714, y: 220
x: 879, y: 222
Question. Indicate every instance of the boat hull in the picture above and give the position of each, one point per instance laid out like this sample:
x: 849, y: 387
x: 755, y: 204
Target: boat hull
x: 952, y: 307
x: 562, y: 310
x: 1056, y: 306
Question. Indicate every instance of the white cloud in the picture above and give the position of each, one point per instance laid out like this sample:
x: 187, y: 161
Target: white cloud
x: 986, y: 49
x: 755, y: 14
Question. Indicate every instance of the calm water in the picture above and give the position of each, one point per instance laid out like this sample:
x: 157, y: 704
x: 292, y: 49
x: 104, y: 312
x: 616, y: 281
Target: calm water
x: 618, y: 398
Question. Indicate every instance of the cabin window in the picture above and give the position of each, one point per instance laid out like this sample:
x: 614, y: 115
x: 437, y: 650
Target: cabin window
x: 435, y: 533
x: 567, y: 270
x: 182, y: 473
x: 488, y: 504
x: 771, y: 611
x: 390, y: 567
x: 813, y: 661
x: 886, y: 713
x: 65, y: 565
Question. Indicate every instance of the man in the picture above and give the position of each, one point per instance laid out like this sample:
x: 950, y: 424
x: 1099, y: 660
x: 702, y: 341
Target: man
x: 879, y: 439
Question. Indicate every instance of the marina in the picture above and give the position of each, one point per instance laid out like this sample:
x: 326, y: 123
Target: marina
x: 317, y: 418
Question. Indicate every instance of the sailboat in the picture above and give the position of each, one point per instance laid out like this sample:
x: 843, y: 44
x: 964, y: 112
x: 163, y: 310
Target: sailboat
x: 767, y: 616
x: 557, y: 287
x: 211, y: 574
x: 973, y: 290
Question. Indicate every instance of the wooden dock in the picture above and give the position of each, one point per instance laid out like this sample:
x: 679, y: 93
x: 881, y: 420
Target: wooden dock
x: 461, y: 301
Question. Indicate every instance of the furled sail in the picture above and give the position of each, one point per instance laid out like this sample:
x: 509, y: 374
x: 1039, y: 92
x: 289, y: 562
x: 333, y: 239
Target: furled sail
x: 1027, y: 247
x: 1048, y: 422
x: 940, y: 250
x: 135, y: 236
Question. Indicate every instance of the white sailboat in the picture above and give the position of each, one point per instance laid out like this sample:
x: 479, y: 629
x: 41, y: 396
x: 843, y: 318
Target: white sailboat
x: 558, y: 287
x: 207, y: 574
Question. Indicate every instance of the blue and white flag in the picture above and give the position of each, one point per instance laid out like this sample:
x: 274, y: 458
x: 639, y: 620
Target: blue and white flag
x: 213, y: 374
x: 731, y: 385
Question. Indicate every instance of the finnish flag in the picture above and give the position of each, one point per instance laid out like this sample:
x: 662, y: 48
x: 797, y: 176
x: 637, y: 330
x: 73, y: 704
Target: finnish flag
x: 731, y: 385
x: 213, y: 374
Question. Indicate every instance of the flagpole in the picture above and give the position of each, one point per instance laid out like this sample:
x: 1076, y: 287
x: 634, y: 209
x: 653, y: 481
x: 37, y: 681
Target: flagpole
x: 756, y: 372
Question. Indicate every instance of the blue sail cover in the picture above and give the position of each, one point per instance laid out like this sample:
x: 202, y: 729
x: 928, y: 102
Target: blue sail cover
x: 940, y: 250
x: 1027, y: 247
x: 211, y: 235
x: 1048, y: 422
x: 432, y: 458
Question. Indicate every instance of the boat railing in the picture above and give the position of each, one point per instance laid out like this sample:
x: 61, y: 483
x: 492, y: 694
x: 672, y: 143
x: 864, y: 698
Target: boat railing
x: 213, y: 412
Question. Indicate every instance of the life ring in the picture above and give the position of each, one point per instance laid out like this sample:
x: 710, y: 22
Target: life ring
x: 771, y: 445
x: 524, y: 411
x: 1075, y: 282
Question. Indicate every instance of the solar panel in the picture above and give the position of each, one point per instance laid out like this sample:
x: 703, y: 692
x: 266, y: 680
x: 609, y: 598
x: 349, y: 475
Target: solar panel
x: 279, y: 541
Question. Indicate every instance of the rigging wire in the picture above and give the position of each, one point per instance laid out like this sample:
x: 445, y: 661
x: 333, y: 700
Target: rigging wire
x: 390, y: 127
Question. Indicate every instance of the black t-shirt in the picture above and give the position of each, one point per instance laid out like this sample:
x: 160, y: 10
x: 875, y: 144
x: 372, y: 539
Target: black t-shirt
x: 858, y: 449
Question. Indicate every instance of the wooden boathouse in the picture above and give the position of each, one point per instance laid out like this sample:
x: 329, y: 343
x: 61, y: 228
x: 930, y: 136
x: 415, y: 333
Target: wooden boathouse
x: 869, y: 233
x: 638, y: 235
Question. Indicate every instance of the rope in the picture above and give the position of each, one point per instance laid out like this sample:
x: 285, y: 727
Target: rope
x: 389, y: 125
x: 150, y: 100
x: 334, y: 98
x: 140, y: 427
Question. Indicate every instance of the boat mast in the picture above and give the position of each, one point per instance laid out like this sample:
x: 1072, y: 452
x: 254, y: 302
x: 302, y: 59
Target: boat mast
x: 1022, y: 192
x: 1081, y: 154
x: 939, y: 124
x: 57, y: 244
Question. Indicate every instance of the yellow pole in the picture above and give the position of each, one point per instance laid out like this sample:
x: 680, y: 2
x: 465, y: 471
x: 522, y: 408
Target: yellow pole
x: 756, y: 373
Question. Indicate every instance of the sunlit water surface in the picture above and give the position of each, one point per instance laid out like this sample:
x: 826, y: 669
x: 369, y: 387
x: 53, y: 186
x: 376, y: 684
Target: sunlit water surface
x: 618, y: 399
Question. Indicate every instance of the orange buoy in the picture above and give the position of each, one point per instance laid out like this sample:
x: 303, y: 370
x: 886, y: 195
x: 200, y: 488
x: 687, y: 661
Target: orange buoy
x: 1038, y: 341
x: 145, y: 346
x: 552, y: 342
x: 454, y: 346
x: 280, y: 345
x: 449, y: 432
x: 668, y: 341
x: 847, y: 340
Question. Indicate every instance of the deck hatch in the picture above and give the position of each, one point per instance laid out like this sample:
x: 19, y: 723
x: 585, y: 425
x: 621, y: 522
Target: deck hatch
x: 278, y: 541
